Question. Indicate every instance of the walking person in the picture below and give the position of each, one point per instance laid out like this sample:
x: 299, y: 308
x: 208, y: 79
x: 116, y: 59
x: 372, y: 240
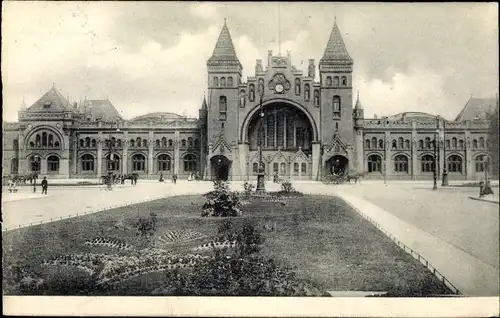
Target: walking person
x: 44, y: 185
x: 174, y: 178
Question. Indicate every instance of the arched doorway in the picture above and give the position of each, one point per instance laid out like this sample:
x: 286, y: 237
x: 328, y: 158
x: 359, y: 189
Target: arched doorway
x: 220, y: 167
x: 337, y: 165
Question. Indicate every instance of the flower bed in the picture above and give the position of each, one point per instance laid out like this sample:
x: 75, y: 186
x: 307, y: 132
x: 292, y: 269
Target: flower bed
x: 180, y: 236
x: 109, y: 242
x: 215, y: 245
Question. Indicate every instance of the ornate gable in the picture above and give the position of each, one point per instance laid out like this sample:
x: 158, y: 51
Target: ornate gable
x: 299, y: 156
x: 336, y: 147
x: 221, y: 146
x: 278, y: 156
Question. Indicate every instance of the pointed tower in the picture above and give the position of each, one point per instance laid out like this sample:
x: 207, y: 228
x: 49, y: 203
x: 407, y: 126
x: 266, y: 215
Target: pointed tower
x: 335, y: 68
x: 358, y: 112
x: 23, y: 106
x: 224, y: 75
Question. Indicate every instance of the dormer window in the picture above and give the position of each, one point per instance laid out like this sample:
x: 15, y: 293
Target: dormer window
x: 47, y: 104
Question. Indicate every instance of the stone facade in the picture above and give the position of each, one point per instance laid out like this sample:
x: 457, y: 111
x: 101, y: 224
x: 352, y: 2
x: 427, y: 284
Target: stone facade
x: 306, y: 129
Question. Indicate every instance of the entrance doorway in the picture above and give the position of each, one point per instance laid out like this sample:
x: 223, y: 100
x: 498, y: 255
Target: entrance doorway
x: 337, y: 165
x: 220, y: 167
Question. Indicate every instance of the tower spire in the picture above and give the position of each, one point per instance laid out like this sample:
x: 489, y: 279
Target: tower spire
x: 23, y: 104
x: 335, y: 48
x: 279, y: 29
x: 224, y: 48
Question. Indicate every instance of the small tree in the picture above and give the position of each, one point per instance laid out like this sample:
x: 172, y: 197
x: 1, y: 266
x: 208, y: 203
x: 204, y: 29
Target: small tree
x: 222, y: 202
x: 286, y: 186
x: 146, y: 226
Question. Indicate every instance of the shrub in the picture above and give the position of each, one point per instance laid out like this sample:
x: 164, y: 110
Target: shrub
x: 287, y: 186
x: 222, y: 202
x: 248, y: 189
x: 146, y: 226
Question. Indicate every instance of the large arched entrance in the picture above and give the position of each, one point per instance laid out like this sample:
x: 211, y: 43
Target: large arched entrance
x: 337, y: 165
x: 220, y: 166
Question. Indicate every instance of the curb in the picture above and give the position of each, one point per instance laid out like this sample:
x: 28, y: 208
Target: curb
x: 485, y: 200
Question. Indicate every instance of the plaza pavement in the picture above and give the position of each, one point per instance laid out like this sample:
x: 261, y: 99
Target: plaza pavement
x: 458, y: 236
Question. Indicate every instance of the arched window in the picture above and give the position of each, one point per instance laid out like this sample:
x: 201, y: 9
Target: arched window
x: 420, y: 144
x: 44, y: 139
x: 381, y: 144
x: 34, y: 162
x: 106, y: 143
x: 251, y: 96
x: 374, y: 143
x: 190, y: 142
x: 474, y: 144
x: 276, y: 167
x: 296, y: 168
x: 336, y: 106
x: 344, y: 81
x: 270, y: 131
x: 216, y: 81
x: 94, y: 143
x: 394, y: 144
x: 481, y: 162
x: 407, y: 144
x: 56, y: 144
x: 297, y: 86
x: 164, y: 162
x: 427, y: 143
x: 367, y: 143
x: 38, y: 140
x: 196, y: 143
x: 400, y: 143
x: 401, y: 163
x: 184, y: 143
x: 222, y: 108
x: 132, y: 143
x: 316, y: 97
x: 113, y: 142
x: 87, y: 162
x: 138, y: 162
x: 14, y: 166
x: 138, y: 142
x: 170, y: 143
x: 261, y: 86
x: 144, y: 143
x: 230, y: 81
x: 157, y: 143
x: 51, y: 140
x: 82, y: 143
x: 307, y: 92
x: 189, y: 163
x: 32, y: 144
x: 15, y: 145
x: 222, y: 82
x: 481, y: 143
x: 303, y: 168
x: 164, y: 142
x: 427, y: 163
x: 455, y: 163
x: 374, y: 163
x: 328, y: 81
x: 460, y: 144
x: 242, y: 98
x: 336, y: 81
x: 112, y: 162
x: 53, y: 164
x: 255, y: 167
x: 283, y: 169
x: 454, y: 143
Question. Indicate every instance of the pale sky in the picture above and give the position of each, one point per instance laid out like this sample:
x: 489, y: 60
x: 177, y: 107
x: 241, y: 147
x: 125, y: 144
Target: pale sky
x: 151, y: 56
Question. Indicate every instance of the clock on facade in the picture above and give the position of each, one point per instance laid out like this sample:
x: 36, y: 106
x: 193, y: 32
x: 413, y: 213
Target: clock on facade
x: 279, y: 88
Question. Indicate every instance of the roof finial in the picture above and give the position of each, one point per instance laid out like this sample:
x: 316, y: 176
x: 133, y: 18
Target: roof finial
x: 225, y: 20
x: 335, y: 19
x: 53, y: 85
x: 358, y: 94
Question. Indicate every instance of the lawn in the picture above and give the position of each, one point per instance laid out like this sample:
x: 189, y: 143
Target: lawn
x: 325, y: 242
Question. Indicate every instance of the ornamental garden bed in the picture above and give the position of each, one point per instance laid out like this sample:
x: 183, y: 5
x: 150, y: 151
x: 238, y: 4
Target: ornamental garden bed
x: 304, y: 248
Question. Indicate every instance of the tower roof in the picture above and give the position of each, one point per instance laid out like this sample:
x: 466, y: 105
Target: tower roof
x: 52, y: 101
x: 224, y: 48
x: 335, y: 48
x: 477, y: 108
x: 204, y: 104
x: 102, y: 109
x: 358, y: 103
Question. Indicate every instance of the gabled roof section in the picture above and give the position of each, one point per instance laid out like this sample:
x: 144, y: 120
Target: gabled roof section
x: 224, y: 48
x: 477, y: 108
x: 336, y: 146
x: 411, y: 115
x: 221, y: 144
x: 279, y: 155
x: 158, y: 116
x: 52, y: 101
x: 299, y: 156
x: 102, y: 109
x: 335, y: 48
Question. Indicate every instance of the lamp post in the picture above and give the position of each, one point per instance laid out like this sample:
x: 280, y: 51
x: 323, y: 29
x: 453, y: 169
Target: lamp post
x: 261, y: 187
x: 435, y: 144
x: 444, y: 182
x: 37, y: 161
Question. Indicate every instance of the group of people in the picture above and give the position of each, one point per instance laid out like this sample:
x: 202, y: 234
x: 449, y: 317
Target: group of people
x: 13, y: 183
x: 192, y: 176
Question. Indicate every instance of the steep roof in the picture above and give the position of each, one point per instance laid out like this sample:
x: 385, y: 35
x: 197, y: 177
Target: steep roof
x: 358, y: 103
x: 335, y: 48
x: 204, y: 104
x: 52, y: 101
x: 102, y: 109
x: 224, y: 48
x: 477, y: 108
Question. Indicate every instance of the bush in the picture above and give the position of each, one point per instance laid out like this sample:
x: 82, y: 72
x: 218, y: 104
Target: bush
x: 248, y: 189
x: 221, y: 202
x: 287, y: 186
x: 146, y: 226
x: 247, y: 238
